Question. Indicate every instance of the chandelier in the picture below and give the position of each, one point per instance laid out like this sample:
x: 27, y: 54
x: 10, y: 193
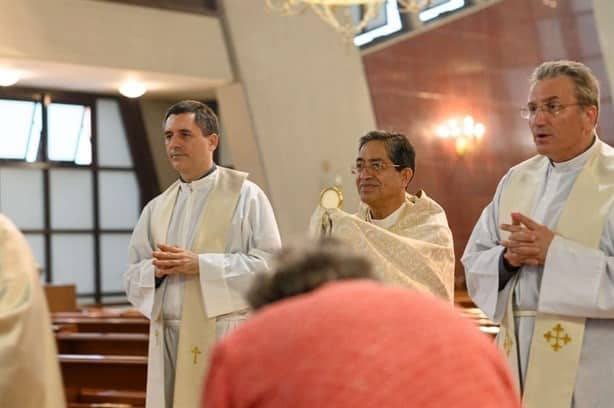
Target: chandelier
x: 341, y: 14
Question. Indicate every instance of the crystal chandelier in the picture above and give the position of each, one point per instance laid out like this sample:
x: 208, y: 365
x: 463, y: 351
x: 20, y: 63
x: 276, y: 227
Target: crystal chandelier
x: 338, y: 13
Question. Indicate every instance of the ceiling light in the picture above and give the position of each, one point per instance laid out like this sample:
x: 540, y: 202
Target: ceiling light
x: 9, y: 77
x: 132, y: 89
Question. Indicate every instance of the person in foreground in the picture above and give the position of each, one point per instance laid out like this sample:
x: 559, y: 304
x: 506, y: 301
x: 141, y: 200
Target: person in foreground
x: 30, y: 373
x: 193, y: 252
x: 326, y: 334
x: 540, y: 259
x: 406, y: 236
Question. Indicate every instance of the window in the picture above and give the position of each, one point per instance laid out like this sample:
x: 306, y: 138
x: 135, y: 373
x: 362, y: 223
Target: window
x: 390, y: 22
x: 69, y: 133
x: 21, y: 122
x: 64, y: 161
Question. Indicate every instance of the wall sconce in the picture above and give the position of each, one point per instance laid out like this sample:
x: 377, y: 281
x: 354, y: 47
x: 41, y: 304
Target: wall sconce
x: 466, y: 132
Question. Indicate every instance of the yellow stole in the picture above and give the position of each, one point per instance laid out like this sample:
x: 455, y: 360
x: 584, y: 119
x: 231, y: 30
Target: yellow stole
x: 197, y: 331
x: 557, y: 340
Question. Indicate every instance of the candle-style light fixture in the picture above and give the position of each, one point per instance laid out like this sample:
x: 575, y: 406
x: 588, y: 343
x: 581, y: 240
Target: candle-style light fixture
x: 465, y: 131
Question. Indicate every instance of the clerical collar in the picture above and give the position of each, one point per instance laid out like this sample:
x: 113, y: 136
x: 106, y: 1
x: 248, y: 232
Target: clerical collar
x: 577, y: 162
x: 200, y: 182
x: 387, y: 222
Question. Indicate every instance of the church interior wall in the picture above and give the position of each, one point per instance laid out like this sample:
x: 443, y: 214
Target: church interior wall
x: 309, y: 103
x: 115, y: 36
x: 479, y: 66
x: 308, y: 97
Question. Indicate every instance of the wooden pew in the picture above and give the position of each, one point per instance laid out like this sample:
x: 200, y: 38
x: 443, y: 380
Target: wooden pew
x: 100, y: 312
x: 103, y: 357
x: 64, y: 328
x: 61, y: 298
x: 479, y: 319
x: 91, y: 397
x: 88, y: 324
x: 129, y: 344
x: 472, y: 312
x: 103, y: 372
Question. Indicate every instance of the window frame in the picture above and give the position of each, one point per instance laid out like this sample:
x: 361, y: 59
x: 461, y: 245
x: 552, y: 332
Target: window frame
x: 139, y: 150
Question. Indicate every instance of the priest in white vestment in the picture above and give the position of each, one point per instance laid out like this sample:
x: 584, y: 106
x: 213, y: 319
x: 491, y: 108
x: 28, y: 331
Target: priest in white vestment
x: 193, y: 253
x: 405, y: 236
x: 540, y: 259
x: 29, y: 370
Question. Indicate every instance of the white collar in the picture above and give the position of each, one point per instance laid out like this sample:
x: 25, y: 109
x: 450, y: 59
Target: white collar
x: 575, y: 163
x: 387, y: 222
x: 198, y: 184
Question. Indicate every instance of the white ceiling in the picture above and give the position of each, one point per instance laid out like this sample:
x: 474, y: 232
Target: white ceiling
x: 50, y: 75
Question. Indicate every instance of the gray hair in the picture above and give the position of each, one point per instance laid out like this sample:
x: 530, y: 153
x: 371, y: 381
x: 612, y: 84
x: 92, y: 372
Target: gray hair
x: 301, y: 269
x: 586, y: 85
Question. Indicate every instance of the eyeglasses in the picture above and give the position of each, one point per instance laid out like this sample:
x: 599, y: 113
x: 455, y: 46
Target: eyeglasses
x: 550, y: 108
x: 376, y: 167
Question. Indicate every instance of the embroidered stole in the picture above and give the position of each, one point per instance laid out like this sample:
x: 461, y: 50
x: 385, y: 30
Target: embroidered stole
x: 556, y: 344
x: 416, y: 252
x: 197, y: 331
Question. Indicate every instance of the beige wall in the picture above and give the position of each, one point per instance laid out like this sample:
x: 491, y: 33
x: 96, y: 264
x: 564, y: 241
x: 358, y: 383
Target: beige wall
x: 153, y: 113
x: 239, y: 144
x: 305, y: 100
x: 95, y: 33
x: 309, y: 104
x: 604, y: 11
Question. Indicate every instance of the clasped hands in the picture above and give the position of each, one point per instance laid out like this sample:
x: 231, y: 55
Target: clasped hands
x: 169, y: 260
x: 528, y: 241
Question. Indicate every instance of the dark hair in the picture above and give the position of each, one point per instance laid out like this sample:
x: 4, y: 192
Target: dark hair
x: 204, y: 116
x: 299, y: 270
x: 400, y: 151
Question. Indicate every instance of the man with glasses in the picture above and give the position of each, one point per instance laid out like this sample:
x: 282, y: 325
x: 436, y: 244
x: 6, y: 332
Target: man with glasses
x: 406, y: 236
x: 541, y: 258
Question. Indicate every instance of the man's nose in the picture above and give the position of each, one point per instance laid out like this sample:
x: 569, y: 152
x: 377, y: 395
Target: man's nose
x: 540, y: 117
x: 364, y: 173
x: 174, y: 141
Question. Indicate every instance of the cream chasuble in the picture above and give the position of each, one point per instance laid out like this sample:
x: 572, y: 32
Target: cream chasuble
x: 417, y: 251
x: 197, y: 332
x: 557, y: 340
x: 29, y: 369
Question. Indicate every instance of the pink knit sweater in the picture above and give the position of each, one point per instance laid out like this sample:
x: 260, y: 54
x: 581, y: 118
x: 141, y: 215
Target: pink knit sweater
x: 358, y: 344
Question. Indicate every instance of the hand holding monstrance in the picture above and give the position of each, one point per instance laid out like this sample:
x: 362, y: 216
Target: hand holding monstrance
x: 330, y: 198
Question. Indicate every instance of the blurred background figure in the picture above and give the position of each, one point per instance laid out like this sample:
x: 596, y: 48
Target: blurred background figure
x: 28, y: 356
x: 325, y: 334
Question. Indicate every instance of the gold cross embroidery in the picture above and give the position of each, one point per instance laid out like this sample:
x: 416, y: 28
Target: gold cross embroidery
x: 507, y: 344
x: 556, y: 337
x: 196, y: 352
x: 157, y: 337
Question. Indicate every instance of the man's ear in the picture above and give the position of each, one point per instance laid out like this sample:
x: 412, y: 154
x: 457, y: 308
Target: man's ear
x: 213, y: 141
x: 591, y: 114
x: 407, y: 174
